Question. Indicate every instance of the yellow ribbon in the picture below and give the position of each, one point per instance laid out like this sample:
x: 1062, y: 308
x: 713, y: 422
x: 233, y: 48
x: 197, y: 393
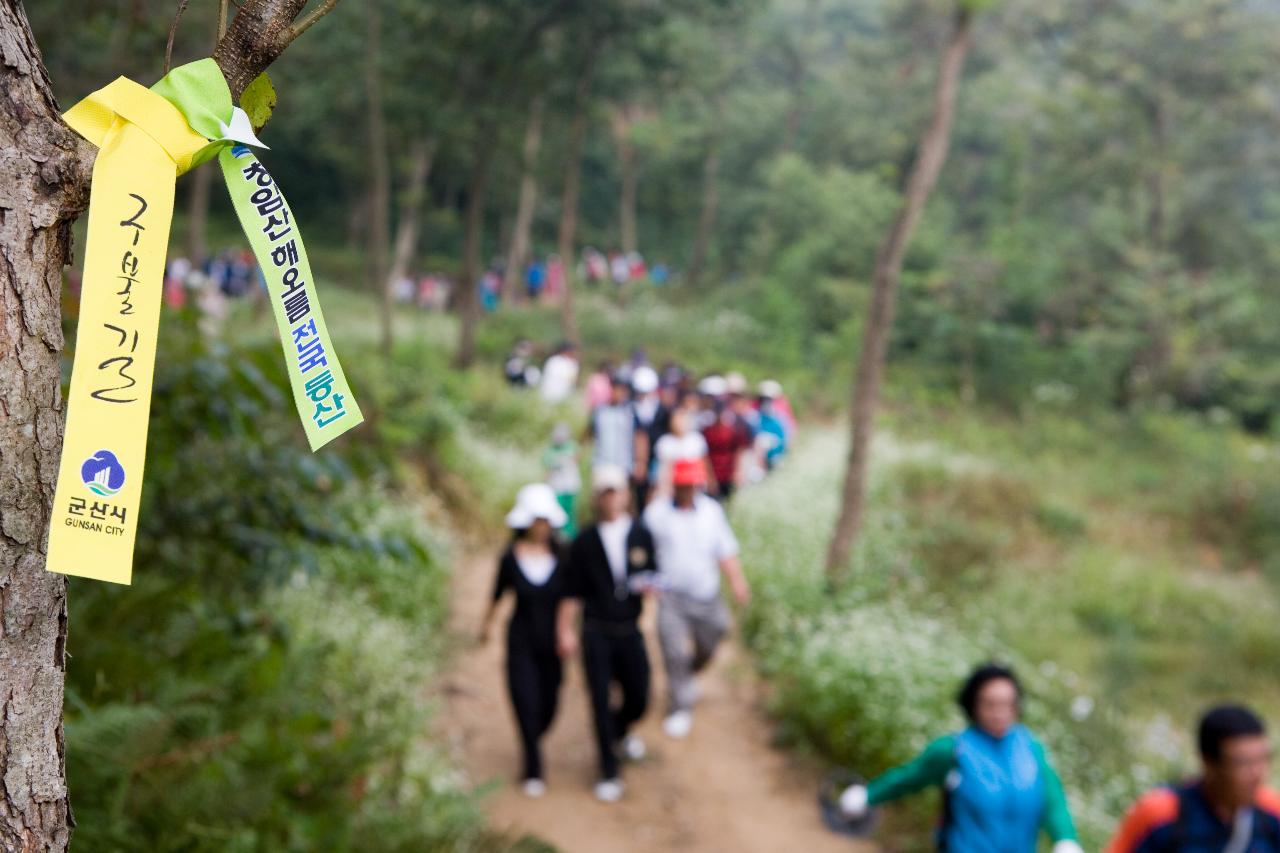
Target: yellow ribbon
x: 144, y: 143
x: 131, y: 102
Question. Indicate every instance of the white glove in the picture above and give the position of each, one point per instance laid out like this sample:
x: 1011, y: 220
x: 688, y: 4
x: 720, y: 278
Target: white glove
x: 1066, y: 845
x: 853, y: 802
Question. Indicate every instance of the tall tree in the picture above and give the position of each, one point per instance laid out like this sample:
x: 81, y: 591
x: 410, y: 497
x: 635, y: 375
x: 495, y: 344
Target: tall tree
x: 421, y: 157
x: 518, y: 252
x: 568, y: 232
x: 379, y: 174
x: 46, y: 174
x: 865, y: 394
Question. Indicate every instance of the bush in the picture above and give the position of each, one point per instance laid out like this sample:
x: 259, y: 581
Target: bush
x: 260, y: 686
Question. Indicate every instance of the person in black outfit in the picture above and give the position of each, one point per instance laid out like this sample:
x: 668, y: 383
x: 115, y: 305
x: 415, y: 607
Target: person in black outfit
x: 531, y: 567
x: 609, y: 567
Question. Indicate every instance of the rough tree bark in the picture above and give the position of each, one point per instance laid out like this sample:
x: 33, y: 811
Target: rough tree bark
x: 518, y: 253
x: 621, y: 121
x: 421, y: 156
x: 44, y: 186
x: 569, y: 201
x: 710, y: 200
x: 469, y: 306
x: 884, y: 284
x: 379, y: 176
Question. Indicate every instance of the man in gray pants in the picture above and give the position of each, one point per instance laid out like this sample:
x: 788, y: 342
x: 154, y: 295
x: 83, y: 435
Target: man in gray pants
x: 693, y: 546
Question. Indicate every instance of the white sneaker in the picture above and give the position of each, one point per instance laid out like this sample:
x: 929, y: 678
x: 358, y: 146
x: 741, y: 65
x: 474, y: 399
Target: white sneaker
x: 633, y: 748
x: 609, y: 791
x: 534, y: 788
x: 678, y: 725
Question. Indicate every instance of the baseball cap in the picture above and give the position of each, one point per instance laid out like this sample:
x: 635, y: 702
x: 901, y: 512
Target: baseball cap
x: 688, y: 472
x: 605, y: 477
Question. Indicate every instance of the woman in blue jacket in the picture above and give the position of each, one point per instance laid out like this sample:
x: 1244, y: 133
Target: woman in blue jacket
x: 999, y: 790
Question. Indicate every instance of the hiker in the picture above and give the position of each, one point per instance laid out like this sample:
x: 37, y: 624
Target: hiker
x: 653, y: 421
x: 519, y: 368
x: 560, y: 461
x: 598, y: 386
x: 613, y: 429
x: 530, y: 567
x: 1229, y: 808
x: 999, y: 789
x: 683, y: 442
x: 727, y: 438
x: 560, y: 374
x: 773, y: 433
x: 608, y: 566
x: 694, y: 546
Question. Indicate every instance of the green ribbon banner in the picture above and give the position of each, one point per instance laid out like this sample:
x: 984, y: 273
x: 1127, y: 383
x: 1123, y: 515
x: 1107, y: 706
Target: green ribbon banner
x: 320, y: 390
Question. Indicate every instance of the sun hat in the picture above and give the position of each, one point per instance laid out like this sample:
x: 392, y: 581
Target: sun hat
x: 605, y: 477
x: 534, y: 501
x: 770, y: 388
x: 736, y: 383
x: 688, y: 472
x: 644, y: 380
x: 714, y: 386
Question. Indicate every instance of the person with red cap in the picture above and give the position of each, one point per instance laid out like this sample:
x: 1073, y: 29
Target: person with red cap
x: 693, y: 546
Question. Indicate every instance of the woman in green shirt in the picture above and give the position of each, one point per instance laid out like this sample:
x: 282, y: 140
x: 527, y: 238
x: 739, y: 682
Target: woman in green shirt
x: 999, y: 789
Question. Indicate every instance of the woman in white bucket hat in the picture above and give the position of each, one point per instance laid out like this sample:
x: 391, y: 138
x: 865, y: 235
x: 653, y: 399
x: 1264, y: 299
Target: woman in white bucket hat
x: 530, y: 567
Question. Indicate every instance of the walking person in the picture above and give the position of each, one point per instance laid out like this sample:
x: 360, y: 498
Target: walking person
x: 560, y: 461
x: 560, y: 374
x: 609, y: 567
x: 999, y: 789
x: 530, y: 568
x: 727, y: 438
x: 682, y: 443
x: 694, y: 545
x: 613, y: 429
x: 1229, y: 808
x: 653, y: 420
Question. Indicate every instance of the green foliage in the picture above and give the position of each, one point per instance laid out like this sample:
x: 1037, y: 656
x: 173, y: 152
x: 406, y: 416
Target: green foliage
x: 259, y: 100
x: 259, y: 686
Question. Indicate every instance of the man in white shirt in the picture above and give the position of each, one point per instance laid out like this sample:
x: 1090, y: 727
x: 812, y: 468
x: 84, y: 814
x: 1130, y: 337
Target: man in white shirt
x: 560, y: 374
x: 693, y: 545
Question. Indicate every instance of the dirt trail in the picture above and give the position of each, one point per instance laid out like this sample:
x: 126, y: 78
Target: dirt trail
x: 722, y: 789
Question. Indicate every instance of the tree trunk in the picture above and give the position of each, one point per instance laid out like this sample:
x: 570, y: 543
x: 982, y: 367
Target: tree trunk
x: 707, y: 217
x: 45, y: 174
x: 627, y: 173
x: 379, y: 175
x: 469, y: 304
x: 420, y: 159
x: 888, y: 268
x: 518, y: 253
x: 198, y: 214
x: 569, y: 202
x: 38, y: 176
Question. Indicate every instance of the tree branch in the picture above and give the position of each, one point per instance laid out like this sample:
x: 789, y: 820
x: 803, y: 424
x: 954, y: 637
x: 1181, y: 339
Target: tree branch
x: 319, y: 12
x: 257, y: 35
x: 173, y: 31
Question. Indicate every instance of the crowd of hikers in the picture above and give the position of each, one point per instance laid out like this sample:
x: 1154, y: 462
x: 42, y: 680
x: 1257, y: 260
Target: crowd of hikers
x: 667, y: 451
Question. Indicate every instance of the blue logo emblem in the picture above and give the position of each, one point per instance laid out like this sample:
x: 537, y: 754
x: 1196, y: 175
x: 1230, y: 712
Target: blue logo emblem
x: 102, y: 473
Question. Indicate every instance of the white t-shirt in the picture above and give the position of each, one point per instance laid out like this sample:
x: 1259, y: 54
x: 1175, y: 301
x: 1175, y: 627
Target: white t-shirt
x: 671, y: 447
x: 537, y: 568
x: 690, y: 543
x: 559, y: 375
x: 614, y: 536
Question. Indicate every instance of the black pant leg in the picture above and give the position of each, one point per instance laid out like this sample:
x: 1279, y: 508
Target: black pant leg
x: 631, y: 671
x: 525, y: 690
x: 550, y: 674
x: 597, y: 665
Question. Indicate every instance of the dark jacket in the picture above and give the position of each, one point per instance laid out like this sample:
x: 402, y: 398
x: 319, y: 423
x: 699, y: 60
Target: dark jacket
x: 605, y: 602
